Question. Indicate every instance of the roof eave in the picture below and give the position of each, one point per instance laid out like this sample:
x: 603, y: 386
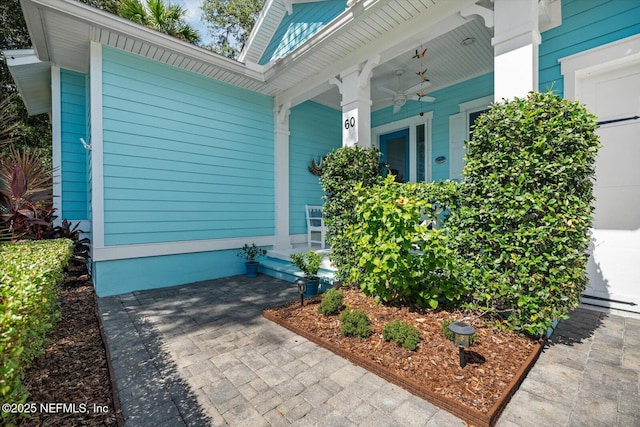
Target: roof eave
x: 32, y: 78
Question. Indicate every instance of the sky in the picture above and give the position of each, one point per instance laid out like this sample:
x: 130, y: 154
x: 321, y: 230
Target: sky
x: 193, y: 17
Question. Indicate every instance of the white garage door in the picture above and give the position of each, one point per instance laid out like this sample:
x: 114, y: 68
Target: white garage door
x: 614, y: 266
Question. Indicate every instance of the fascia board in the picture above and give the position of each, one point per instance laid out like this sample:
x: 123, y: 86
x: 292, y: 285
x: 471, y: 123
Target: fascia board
x: 255, y: 31
x: 98, y: 18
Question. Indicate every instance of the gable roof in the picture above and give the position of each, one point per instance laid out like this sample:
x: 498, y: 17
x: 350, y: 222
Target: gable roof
x: 63, y: 31
x: 285, y: 24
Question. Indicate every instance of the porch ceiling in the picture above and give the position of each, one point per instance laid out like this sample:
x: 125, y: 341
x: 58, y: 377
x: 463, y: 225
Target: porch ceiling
x: 390, y: 30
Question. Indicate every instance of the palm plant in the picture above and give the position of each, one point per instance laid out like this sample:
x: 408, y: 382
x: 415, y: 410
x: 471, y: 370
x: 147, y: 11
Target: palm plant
x: 164, y: 17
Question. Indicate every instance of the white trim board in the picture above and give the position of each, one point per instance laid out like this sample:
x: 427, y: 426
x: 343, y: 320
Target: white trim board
x: 97, y: 166
x: 56, y: 134
x: 609, y: 56
x: 110, y: 253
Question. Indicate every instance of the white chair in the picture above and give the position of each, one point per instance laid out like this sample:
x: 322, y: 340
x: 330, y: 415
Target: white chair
x: 315, y: 224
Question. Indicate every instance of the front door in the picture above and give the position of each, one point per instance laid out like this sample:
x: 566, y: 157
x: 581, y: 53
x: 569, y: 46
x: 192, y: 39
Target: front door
x: 614, y: 265
x: 394, y: 147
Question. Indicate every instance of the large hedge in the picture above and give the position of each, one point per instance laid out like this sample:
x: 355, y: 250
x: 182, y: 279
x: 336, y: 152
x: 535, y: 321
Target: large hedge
x: 523, y: 228
x: 29, y: 276
x: 342, y: 170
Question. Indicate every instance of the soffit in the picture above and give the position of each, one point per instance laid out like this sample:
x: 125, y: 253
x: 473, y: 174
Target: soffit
x: 62, y: 31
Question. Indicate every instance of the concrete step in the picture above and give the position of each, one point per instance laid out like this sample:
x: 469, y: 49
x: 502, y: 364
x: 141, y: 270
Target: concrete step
x: 288, y: 272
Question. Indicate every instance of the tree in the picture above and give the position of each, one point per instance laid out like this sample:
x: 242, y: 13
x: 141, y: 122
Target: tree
x: 230, y: 22
x: 164, y: 17
x: 26, y: 131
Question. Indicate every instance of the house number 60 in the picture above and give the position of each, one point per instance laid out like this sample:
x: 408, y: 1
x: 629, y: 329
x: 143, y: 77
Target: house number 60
x: 350, y: 123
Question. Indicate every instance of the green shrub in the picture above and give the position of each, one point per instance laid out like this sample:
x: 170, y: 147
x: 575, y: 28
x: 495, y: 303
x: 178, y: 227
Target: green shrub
x: 30, y: 274
x: 308, y: 262
x: 342, y: 169
x: 445, y: 329
x: 528, y: 193
x: 355, y: 323
x: 401, y: 258
x: 331, y: 302
x: 401, y: 332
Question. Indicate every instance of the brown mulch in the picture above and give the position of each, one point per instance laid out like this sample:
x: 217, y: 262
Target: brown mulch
x: 495, y: 358
x: 73, y: 369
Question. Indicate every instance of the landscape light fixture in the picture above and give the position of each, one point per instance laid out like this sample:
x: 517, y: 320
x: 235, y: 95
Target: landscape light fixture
x: 461, y: 338
x: 302, y: 288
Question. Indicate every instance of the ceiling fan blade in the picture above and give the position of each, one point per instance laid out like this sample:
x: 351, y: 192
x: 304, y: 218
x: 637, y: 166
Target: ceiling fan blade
x: 389, y: 91
x: 396, y: 108
x: 418, y: 87
x: 423, y: 99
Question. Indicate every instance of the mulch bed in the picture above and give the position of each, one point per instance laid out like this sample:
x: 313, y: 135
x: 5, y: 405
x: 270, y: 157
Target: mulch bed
x: 74, y: 367
x: 497, y: 362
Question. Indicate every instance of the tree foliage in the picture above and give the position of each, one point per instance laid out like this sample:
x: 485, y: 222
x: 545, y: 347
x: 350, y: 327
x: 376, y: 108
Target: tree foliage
x: 26, y: 131
x: 230, y: 22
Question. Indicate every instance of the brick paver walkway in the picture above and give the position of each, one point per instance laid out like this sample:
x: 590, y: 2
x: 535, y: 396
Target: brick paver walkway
x: 202, y: 355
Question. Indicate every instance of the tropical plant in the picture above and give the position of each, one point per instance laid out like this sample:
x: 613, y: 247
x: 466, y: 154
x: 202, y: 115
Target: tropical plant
x: 25, y: 195
x: 81, y: 245
x: 342, y: 170
x: 308, y: 262
x: 250, y: 253
x: 167, y: 18
x: 524, y: 225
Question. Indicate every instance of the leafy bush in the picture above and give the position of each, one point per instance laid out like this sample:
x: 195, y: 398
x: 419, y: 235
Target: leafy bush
x: 401, y: 257
x: 308, y: 262
x: 355, y: 323
x: 342, y: 169
x: 331, y: 302
x: 401, y: 332
x: 524, y: 225
x: 31, y: 272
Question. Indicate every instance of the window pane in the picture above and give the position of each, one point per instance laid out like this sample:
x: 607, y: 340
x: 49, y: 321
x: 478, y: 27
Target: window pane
x: 420, y: 154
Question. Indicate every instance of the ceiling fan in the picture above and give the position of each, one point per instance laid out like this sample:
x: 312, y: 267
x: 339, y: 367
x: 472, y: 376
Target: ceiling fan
x: 401, y: 96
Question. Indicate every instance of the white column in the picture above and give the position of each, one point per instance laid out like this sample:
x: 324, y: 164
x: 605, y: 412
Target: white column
x: 515, y: 43
x: 281, y: 119
x: 355, y: 87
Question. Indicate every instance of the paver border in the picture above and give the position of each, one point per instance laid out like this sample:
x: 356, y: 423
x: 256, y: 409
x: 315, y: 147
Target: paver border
x: 470, y: 415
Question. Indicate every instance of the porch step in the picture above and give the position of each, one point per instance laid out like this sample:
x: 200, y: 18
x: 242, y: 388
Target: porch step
x: 288, y: 272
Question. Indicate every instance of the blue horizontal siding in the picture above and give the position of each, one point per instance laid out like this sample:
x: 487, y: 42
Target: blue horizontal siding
x: 73, y: 166
x: 314, y: 132
x: 585, y: 24
x: 128, y: 275
x: 305, y: 21
x: 176, y: 142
